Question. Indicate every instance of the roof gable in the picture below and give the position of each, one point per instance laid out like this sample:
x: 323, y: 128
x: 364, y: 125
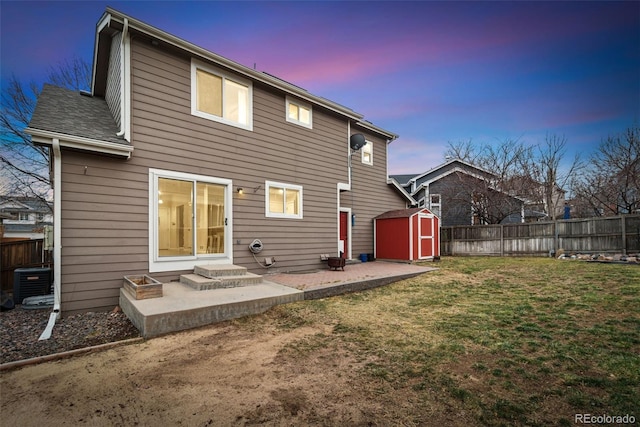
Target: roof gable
x: 403, y: 179
x: 16, y: 204
x: 113, y: 20
x: 447, y: 168
x: 13, y: 205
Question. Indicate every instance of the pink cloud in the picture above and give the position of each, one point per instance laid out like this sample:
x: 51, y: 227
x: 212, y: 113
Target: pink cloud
x: 408, y: 155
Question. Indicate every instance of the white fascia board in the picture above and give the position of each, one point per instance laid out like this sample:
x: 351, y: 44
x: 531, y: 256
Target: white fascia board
x: 447, y: 163
x: 408, y: 196
x: 426, y: 184
x: 14, y: 204
x: 80, y: 143
x: 197, y: 51
x: 371, y: 127
x: 456, y: 169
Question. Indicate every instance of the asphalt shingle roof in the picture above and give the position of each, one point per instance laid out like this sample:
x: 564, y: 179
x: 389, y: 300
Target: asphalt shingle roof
x: 399, y: 213
x: 69, y: 112
x: 403, y: 179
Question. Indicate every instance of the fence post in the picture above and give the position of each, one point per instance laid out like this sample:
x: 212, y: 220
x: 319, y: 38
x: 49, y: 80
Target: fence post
x: 501, y: 239
x: 555, y: 238
x: 624, y: 235
x: 452, y: 240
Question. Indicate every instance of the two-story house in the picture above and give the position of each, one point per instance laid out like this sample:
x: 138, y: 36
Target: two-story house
x: 24, y: 217
x: 463, y: 194
x: 180, y: 157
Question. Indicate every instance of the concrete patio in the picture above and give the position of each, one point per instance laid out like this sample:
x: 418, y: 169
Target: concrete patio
x: 184, y: 307
x: 355, y: 277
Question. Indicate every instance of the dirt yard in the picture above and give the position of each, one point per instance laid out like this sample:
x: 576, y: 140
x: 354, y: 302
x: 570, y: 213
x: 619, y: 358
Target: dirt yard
x: 482, y: 341
x: 219, y: 375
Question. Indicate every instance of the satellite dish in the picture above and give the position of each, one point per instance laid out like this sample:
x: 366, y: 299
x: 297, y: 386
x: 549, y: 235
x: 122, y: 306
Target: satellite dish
x: 357, y: 141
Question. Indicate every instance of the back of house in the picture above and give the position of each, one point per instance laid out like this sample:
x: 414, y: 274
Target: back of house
x: 179, y: 157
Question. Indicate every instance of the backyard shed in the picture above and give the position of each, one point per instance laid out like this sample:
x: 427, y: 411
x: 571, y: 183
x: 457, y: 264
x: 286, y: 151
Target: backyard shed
x: 407, y: 235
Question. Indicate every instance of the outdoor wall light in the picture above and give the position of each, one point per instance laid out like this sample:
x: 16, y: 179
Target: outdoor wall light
x: 240, y: 190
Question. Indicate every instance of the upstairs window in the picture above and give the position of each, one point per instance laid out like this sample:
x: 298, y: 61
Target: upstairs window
x: 220, y: 97
x: 367, y: 153
x: 283, y: 200
x: 435, y: 204
x: 299, y: 113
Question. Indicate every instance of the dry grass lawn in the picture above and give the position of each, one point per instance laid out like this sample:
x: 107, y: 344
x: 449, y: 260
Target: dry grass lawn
x: 482, y: 341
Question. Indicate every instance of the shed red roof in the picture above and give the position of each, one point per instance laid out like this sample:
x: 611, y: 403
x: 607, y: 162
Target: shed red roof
x: 401, y: 213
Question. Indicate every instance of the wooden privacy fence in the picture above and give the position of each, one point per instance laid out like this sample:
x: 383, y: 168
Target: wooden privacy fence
x: 618, y: 234
x: 21, y: 254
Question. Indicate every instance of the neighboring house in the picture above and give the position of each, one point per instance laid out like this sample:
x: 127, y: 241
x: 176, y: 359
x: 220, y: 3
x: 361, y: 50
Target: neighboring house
x: 540, y: 203
x: 24, y: 218
x: 180, y: 157
x: 460, y: 193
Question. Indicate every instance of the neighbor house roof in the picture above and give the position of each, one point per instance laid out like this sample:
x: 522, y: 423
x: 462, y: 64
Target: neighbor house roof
x: 403, y: 179
x: 23, y: 204
x: 466, y: 167
x: 416, y: 183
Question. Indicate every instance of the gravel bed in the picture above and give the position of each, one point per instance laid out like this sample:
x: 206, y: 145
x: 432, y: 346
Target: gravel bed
x: 20, y: 329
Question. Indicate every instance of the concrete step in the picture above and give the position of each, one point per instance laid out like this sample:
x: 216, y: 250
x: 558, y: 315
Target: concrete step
x: 182, y: 307
x: 213, y: 271
x: 201, y: 283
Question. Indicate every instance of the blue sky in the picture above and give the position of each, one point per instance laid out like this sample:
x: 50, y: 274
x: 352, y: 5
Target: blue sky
x: 432, y: 72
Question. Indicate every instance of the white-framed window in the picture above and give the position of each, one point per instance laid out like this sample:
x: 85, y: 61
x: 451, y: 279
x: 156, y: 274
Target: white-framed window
x: 299, y: 113
x: 283, y: 200
x: 189, y: 219
x: 221, y: 97
x: 367, y: 153
x: 435, y: 204
x: 24, y: 216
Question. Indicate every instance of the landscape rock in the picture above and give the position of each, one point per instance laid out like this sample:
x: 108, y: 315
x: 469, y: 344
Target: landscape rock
x: 614, y: 258
x: 21, y: 328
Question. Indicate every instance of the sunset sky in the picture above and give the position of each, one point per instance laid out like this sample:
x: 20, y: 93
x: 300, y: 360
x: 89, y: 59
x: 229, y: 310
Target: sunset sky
x: 432, y: 72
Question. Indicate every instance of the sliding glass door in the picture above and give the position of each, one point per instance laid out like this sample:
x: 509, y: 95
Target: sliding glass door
x: 189, y: 226
x: 192, y: 218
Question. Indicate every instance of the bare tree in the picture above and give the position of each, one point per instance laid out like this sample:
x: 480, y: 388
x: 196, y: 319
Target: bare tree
x: 492, y: 191
x: 548, y: 175
x: 25, y: 167
x: 536, y: 174
x: 463, y: 150
x: 612, y: 184
x: 73, y: 74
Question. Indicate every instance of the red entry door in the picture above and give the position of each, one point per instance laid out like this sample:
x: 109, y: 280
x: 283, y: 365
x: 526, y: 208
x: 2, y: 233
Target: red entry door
x: 344, y: 234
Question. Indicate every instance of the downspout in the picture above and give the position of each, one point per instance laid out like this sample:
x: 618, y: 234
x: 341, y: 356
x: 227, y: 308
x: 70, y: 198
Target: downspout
x: 341, y: 186
x: 123, y: 81
x: 57, y: 238
x: 350, y: 151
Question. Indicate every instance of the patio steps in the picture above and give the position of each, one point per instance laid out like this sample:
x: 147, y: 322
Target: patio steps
x: 208, y: 277
x: 211, y: 294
